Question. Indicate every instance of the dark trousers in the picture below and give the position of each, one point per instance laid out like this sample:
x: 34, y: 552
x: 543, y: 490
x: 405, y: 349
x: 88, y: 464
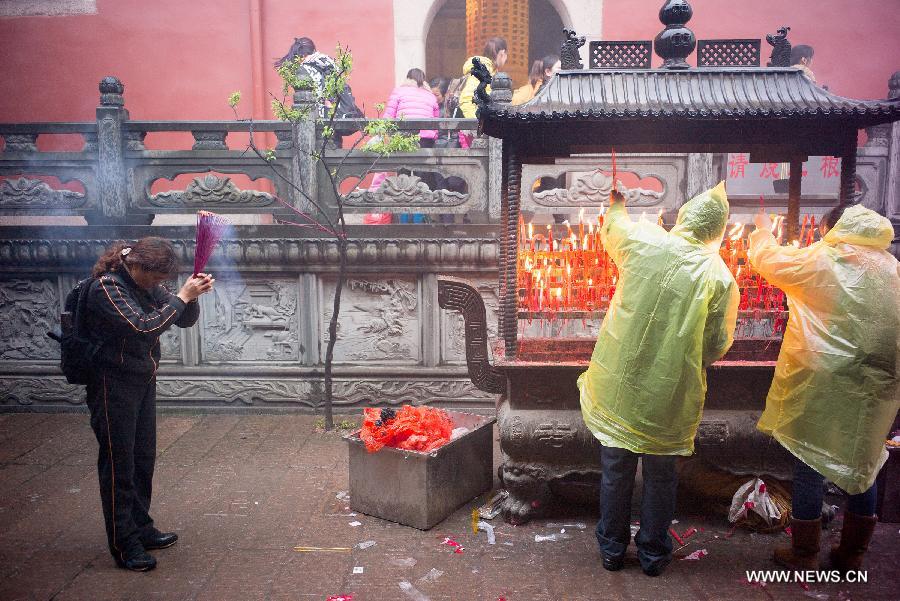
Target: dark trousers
x: 809, y: 492
x: 123, y: 417
x: 657, y: 505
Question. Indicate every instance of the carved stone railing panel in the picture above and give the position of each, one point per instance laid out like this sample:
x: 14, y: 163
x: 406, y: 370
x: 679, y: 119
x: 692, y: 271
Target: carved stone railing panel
x: 403, y: 191
x: 467, y: 169
x: 29, y: 308
x: 21, y: 143
x: 251, y: 320
x: 380, y: 320
x: 211, y: 191
x: 27, y: 193
x: 32, y: 186
x: 588, y: 182
x: 207, y: 190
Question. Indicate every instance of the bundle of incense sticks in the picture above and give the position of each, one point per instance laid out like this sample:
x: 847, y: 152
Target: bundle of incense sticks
x: 210, y: 228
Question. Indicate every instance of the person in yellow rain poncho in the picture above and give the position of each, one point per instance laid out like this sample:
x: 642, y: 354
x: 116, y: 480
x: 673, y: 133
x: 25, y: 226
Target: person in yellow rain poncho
x: 673, y: 314
x: 834, y: 395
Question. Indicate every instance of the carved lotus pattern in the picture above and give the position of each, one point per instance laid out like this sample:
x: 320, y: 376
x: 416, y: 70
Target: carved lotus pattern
x: 404, y: 190
x: 33, y: 193
x: 211, y: 190
x: 593, y: 188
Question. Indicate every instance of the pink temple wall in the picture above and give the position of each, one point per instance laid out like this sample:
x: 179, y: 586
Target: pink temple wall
x: 857, y: 43
x: 179, y: 60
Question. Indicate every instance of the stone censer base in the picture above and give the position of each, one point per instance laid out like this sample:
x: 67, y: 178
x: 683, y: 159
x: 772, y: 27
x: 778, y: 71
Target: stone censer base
x: 548, y: 451
x: 546, y: 448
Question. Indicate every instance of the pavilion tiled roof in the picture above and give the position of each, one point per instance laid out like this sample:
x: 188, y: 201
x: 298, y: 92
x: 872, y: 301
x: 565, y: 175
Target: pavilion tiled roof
x: 694, y: 94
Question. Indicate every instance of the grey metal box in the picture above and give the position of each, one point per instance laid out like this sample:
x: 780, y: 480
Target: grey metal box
x: 422, y: 489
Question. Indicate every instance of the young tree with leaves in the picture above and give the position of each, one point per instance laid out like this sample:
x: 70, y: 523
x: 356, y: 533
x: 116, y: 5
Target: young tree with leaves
x: 380, y: 138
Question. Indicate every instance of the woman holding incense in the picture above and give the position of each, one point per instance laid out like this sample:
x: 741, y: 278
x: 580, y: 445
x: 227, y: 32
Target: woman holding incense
x: 834, y: 395
x: 127, y: 309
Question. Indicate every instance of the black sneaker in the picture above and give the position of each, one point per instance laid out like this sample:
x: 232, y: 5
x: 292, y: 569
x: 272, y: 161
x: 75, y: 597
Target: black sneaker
x: 139, y: 561
x: 613, y: 563
x: 657, y: 568
x: 159, y: 540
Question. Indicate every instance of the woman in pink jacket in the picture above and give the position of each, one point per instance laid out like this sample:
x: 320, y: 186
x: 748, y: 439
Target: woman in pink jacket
x: 412, y: 99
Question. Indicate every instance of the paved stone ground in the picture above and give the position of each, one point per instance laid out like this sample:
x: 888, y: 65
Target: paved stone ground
x: 242, y: 491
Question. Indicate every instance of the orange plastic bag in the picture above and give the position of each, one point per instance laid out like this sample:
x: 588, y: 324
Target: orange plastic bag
x: 411, y: 428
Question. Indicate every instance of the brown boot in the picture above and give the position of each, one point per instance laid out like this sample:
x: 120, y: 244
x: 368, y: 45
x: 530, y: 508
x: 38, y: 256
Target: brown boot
x: 855, y: 536
x: 803, y: 554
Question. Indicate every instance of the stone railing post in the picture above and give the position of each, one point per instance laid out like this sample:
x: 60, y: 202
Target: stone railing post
x: 111, y: 174
x: 700, y: 174
x: 892, y: 196
x: 501, y: 94
x: 502, y: 168
x: 304, y: 172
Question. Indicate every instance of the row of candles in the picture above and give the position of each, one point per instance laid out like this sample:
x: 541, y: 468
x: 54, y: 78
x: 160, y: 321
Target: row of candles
x: 573, y: 273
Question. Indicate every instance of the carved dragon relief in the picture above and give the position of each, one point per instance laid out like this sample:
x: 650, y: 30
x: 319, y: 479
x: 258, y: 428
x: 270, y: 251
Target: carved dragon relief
x: 29, y: 193
x: 211, y: 190
x: 593, y: 189
x: 404, y: 190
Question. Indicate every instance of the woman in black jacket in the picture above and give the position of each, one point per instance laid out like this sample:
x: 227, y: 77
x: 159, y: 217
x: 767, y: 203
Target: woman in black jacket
x: 127, y: 310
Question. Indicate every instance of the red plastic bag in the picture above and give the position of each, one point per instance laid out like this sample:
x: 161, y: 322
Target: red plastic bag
x: 411, y: 428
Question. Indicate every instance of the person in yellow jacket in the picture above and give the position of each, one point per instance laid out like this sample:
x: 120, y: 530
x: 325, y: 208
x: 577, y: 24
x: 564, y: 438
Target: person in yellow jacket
x: 495, y: 55
x: 541, y: 71
x: 834, y: 395
x: 673, y: 314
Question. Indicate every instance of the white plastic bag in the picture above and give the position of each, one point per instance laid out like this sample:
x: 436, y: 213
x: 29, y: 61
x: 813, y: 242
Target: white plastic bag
x: 754, y: 497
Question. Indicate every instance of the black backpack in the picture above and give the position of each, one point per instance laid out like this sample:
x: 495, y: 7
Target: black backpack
x: 346, y: 103
x: 77, y: 350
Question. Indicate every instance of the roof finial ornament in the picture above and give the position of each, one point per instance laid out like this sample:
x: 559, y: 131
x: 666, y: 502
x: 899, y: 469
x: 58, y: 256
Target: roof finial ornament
x: 676, y: 42
x: 569, y: 55
x: 781, y: 48
x: 894, y: 86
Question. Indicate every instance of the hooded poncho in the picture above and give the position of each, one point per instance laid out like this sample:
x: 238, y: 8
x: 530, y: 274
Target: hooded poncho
x: 673, y: 313
x: 834, y: 395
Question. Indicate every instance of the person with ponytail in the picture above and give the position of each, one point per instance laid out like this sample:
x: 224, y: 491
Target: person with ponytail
x: 541, y: 72
x: 127, y: 310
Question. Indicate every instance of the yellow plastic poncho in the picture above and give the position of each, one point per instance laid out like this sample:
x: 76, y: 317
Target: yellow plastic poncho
x: 834, y: 395
x: 673, y: 313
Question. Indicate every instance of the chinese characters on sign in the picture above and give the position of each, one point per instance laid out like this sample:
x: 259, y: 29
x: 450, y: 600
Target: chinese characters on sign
x: 821, y: 176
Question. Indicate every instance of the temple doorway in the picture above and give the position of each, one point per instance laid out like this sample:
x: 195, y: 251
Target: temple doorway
x: 532, y: 30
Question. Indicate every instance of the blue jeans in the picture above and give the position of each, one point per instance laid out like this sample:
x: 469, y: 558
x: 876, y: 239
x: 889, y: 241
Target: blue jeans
x: 657, y: 505
x: 809, y: 492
